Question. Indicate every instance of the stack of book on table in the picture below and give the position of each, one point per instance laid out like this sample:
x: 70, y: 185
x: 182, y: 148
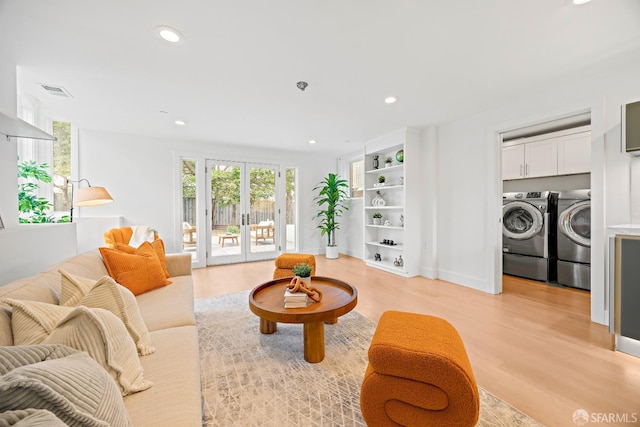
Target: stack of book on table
x: 294, y: 300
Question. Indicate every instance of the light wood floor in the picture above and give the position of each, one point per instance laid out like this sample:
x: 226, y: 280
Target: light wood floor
x: 534, y: 346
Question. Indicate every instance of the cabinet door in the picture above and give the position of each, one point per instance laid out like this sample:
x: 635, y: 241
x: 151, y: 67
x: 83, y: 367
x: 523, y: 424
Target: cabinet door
x: 513, y: 162
x: 574, y: 153
x: 541, y: 158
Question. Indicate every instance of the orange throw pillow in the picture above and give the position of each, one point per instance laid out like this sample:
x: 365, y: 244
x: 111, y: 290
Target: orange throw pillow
x: 139, y: 272
x: 157, y: 245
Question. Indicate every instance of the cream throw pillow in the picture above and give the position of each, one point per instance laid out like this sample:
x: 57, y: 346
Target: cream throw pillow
x: 33, y: 321
x: 74, y: 288
x: 103, y: 335
x: 40, y: 380
x: 107, y: 294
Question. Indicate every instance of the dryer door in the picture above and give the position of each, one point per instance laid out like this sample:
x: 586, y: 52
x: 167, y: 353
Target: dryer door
x: 521, y: 220
x: 575, y: 223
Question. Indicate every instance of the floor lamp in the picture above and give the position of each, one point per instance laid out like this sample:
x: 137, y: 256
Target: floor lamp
x: 88, y: 196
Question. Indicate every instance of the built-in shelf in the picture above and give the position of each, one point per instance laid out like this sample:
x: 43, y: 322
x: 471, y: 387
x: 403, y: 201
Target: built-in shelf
x: 402, y: 202
x: 387, y: 227
x: 383, y: 207
x: 16, y: 128
x: 384, y: 187
x: 386, y: 265
x: 398, y: 247
x: 382, y: 169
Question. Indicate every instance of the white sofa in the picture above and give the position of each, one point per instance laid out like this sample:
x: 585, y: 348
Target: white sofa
x: 175, y: 397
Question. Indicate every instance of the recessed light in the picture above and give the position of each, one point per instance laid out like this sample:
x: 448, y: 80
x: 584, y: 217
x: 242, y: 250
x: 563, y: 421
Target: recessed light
x: 180, y: 122
x: 390, y: 99
x: 581, y: 1
x: 312, y: 141
x: 169, y: 34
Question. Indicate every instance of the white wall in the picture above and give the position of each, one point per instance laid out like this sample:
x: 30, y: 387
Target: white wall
x: 8, y: 151
x: 429, y: 195
x: 28, y: 249
x: 469, y: 199
x: 25, y: 249
x: 141, y: 175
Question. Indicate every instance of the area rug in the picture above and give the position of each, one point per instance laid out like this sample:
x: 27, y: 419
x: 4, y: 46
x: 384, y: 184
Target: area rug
x: 251, y: 379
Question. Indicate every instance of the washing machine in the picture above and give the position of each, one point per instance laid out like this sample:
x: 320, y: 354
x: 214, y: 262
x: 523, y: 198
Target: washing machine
x: 574, y: 238
x: 529, y: 234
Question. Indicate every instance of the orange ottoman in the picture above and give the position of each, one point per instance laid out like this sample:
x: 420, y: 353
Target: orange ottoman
x: 418, y: 374
x: 285, y: 262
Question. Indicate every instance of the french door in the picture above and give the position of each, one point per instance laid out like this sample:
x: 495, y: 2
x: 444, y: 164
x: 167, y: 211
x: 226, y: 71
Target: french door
x: 243, y: 214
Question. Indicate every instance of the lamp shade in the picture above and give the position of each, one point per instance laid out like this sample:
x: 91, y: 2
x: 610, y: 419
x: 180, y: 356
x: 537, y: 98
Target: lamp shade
x: 92, y: 196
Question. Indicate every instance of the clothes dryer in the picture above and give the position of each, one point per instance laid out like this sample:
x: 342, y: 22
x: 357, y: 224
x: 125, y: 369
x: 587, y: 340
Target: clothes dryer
x: 529, y: 234
x: 574, y: 238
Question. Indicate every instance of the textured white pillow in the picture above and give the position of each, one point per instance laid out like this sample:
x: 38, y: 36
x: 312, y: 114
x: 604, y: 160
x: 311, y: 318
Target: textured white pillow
x: 63, y: 381
x: 33, y: 321
x: 103, y: 335
x: 30, y: 418
x: 74, y: 288
x: 107, y: 294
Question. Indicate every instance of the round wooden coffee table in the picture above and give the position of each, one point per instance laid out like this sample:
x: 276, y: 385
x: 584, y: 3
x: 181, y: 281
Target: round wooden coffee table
x: 338, y: 298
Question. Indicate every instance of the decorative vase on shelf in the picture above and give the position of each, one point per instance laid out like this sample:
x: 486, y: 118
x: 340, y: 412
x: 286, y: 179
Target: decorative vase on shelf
x: 378, y: 200
x: 400, y: 156
x: 376, y: 163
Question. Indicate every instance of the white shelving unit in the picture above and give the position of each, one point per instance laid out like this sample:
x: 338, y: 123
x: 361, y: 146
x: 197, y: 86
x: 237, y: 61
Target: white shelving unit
x: 401, y: 203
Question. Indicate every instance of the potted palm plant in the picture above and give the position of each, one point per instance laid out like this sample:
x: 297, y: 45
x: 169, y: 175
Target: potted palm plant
x: 332, y: 194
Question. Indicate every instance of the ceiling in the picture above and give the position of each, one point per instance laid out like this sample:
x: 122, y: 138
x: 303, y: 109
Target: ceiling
x: 233, y: 80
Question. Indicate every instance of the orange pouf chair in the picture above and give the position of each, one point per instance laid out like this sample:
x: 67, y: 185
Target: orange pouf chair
x: 285, y: 262
x: 120, y: 235
x: 418, y: 374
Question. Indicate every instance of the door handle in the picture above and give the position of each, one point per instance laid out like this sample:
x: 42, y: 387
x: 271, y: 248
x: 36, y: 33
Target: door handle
x: 242, y: 216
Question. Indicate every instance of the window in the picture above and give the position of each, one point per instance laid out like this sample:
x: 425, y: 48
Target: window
x: 61, y: 166
x: 356, y: 178
x: 44, y: 169
x: 189, y: 207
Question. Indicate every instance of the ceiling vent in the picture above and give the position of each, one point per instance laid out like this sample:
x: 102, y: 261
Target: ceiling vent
x: 56, y: 90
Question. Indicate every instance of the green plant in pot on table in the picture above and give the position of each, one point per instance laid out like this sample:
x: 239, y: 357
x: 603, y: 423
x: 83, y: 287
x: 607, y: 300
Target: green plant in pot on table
x: 303, y: 270
x: 331, y: 197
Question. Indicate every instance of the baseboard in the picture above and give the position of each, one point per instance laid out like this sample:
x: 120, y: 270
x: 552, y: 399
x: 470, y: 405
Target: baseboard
x: 429, y: 273
x: 460, y: 279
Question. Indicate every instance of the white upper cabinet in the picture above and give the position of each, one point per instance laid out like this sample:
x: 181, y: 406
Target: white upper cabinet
x: 558, y: 153
x: 513, y: 162
x: 574, y: 153
x: 541, y: 158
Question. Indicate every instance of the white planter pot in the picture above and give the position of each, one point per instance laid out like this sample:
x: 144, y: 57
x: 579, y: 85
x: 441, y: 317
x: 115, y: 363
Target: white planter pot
x: 332, y: 252
x: 377, y: 221
x: 306, y: 281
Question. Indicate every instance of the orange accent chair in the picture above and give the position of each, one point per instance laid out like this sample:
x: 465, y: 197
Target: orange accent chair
x: 285, y: 262
x: 418, y: 374
x: 120, y: 235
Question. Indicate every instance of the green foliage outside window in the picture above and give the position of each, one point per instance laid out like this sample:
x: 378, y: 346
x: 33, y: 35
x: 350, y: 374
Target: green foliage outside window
x: 33, y: 208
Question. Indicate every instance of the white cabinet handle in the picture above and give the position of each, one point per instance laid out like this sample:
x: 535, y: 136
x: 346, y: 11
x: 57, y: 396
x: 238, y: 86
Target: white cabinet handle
x: 526, y: 170
x: 521, y: 170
